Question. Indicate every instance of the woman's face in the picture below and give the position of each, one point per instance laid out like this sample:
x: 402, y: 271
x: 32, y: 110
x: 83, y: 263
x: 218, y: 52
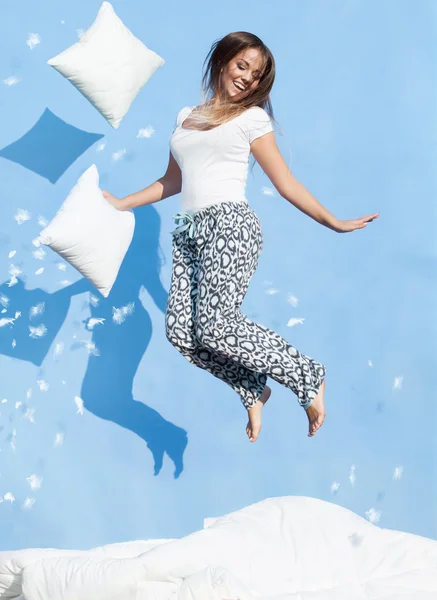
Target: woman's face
x: 243, y: 72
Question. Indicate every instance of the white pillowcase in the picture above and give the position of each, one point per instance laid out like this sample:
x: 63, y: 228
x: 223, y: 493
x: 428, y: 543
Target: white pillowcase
x: 91, y: 234
x: 108, y: 65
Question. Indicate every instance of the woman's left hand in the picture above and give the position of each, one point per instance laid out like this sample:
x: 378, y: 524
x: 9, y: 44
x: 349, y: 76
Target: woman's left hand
x: 346, y: 226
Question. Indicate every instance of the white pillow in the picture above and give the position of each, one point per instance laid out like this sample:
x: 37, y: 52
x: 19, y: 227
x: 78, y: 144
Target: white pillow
x: 108, y: 65
x: 91, y: 234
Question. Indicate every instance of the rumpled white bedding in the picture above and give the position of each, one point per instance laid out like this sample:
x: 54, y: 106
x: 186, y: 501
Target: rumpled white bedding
x: 290, y: 548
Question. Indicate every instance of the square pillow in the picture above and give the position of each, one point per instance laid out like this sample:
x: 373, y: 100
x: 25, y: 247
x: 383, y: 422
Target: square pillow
x: 108, y: 65
x: 91, y: 234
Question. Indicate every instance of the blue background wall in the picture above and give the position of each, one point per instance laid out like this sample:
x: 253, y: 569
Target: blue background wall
x: 355, y: 96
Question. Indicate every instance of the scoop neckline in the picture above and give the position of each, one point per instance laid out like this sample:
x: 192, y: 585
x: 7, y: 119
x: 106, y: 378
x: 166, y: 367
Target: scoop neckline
x: 213, y: 128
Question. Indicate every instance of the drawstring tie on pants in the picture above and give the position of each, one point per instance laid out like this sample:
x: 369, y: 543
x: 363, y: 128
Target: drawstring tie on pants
x: 188, y: 223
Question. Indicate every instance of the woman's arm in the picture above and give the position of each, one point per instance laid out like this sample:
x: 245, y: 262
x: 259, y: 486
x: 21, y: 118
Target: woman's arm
x: 168, y: 185
x: 268, y: 156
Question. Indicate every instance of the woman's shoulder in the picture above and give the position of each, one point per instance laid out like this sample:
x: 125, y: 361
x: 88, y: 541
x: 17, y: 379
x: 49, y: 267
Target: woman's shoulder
x: 182, y: 114
x: 257, y: 111
x: 185, y: 109
x: 256, y: 115
x: 256, y: 123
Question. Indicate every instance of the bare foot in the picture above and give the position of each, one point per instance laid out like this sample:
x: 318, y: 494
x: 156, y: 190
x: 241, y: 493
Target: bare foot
x: 316, y: 412
x: 254, y: 424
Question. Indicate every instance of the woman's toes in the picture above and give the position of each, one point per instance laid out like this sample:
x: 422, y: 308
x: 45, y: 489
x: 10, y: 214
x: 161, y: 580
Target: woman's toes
x: 255, y: 433
x: 312, y: 428
x: 315, y: 425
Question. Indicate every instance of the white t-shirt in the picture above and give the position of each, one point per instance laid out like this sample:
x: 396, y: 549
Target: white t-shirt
x: 215, y: 163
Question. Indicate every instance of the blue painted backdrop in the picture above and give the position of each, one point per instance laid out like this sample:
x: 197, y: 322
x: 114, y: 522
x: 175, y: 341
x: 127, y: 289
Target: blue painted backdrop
x: 160, y: 444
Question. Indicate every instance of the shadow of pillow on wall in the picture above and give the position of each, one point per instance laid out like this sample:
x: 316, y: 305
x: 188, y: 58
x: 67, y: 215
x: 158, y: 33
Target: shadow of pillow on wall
x: 50, y: 147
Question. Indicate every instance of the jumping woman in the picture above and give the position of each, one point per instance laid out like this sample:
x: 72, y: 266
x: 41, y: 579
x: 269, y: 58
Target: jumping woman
x: 217, y: 246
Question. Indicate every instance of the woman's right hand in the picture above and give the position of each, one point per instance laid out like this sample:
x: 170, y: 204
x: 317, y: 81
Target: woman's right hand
x: 112, y: 199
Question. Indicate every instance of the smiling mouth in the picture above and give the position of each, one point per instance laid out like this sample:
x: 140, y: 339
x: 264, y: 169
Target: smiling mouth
x: 238, y: 88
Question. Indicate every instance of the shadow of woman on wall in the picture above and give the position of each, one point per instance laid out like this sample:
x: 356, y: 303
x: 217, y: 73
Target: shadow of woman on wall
x: 107, y: 385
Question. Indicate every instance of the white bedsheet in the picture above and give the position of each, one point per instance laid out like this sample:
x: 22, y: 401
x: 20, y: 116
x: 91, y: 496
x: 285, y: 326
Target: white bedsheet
x: 291, y: 548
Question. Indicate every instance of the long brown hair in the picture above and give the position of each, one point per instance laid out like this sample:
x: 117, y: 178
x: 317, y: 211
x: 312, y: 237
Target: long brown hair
x: 212, y: 114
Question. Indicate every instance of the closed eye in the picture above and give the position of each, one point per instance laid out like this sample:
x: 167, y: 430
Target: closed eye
x: 242, y: 68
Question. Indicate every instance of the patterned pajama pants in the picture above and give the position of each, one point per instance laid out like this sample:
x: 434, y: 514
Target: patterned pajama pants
x: 215, y: 254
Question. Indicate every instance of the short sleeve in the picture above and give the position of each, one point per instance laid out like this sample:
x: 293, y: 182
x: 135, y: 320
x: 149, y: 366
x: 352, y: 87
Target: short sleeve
x: 180, y: 118
x: 256, y: 123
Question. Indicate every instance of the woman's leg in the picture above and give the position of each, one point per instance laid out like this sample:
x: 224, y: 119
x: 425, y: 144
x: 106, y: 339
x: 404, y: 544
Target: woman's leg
x: 228, y: 259
x: 179, y: 324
